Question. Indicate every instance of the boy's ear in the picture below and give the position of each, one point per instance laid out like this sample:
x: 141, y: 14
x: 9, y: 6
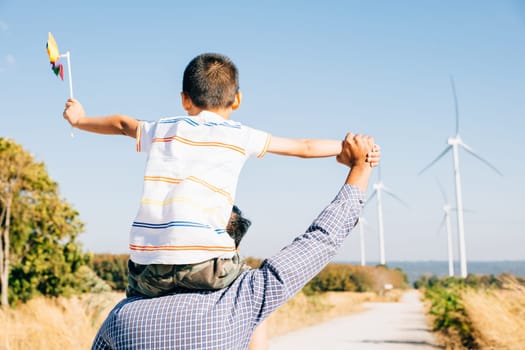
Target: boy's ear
x: 237, y: 102
x: 186, y: 102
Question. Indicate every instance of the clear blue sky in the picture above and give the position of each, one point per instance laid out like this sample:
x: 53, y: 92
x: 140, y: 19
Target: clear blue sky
x: 312, y: 70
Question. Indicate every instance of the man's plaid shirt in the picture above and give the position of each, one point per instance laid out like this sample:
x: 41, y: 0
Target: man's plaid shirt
x: 226, y: 318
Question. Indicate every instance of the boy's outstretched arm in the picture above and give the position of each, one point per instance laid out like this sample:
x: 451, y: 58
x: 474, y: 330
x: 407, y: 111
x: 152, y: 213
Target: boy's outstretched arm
x: 314, y: 148
x: 304, y: 148
x: 110, y: 125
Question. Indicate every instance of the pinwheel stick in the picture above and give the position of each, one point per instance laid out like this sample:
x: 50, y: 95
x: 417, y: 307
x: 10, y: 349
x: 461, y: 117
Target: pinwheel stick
x: 67, y: 56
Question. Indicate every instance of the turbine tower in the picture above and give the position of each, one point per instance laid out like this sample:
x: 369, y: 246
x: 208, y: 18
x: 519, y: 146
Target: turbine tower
x: 453, y: 143
x: 379, y: 188
x: 362, y: 223
x: 446, y: 221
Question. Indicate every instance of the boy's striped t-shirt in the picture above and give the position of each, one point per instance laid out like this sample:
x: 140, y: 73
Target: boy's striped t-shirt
x: 189, y: 187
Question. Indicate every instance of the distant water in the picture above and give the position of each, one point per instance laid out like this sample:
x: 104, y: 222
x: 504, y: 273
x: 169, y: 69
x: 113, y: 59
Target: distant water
x: 416, y: 269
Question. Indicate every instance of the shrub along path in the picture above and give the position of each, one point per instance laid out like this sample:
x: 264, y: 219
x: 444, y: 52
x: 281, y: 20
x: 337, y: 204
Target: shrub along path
x: 385, y: 326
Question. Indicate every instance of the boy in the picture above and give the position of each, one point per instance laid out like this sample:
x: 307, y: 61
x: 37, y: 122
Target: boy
x: 178, y: 239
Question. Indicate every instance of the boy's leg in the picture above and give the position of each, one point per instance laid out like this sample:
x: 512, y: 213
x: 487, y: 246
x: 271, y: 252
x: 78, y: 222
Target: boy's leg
x: 211, y: 274
x: 156, y: 280
x: 150, y: 280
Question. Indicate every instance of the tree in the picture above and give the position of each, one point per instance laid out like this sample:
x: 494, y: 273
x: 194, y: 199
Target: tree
x: 112, y: 268
x: 38, y: 229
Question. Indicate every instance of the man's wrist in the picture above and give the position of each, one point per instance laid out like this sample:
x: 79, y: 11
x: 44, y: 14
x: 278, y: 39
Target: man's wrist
x: 359, y: 175
x: 361, y: 167
x: 360, y: 163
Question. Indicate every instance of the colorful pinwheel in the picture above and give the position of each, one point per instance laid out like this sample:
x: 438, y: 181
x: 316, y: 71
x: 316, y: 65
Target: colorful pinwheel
x: 56, y: 65
x: 54, y: 56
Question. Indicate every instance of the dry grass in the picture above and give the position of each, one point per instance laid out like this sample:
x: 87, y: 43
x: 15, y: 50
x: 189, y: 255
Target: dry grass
x: 61, y: 323
x: 71, y: 323
x: 498, y: 316
x: 303, y: 311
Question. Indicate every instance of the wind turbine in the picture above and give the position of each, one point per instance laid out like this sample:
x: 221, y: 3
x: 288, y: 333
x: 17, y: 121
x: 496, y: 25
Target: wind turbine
x: 362, y: 223
x: 379, y: 188
x: 453, y: 143
x: 446, y: 221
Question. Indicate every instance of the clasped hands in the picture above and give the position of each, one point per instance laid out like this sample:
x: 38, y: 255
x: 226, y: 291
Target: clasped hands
x: 359, y: 150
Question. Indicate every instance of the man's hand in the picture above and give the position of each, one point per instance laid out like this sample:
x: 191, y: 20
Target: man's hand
x: 356, y: 150
x: 73, y: 112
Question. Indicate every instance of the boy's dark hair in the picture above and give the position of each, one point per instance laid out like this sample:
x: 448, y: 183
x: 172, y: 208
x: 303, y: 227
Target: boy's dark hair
x: 211, y: 81
x: 238, y: 225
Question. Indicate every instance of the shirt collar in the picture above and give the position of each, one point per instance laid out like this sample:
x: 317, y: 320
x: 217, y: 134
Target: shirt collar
x: 211, y: 116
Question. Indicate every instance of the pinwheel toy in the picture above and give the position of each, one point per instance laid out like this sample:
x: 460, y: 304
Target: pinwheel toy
x: 56, y: 65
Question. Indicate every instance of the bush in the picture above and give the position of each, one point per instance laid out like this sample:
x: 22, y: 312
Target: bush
x: 334, y: 277
x: 89, y: 282
x: 112, y: 268
x: 446, y: 304
x: 352, y: 278
x: 449, y: 313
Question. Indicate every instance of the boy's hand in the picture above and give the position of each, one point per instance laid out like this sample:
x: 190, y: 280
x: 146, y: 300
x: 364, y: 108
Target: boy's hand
x: 374, y: 156
x: 73, y: 112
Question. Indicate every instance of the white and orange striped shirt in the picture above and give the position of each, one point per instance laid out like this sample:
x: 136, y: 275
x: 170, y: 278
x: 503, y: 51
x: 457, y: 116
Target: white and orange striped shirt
x: 189, y: 187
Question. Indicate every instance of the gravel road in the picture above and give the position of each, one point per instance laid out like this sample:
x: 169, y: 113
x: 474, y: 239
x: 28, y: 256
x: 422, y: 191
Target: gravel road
x: 384, y: 326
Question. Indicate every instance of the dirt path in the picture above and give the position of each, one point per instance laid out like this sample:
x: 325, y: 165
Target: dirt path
x: 385, y: 326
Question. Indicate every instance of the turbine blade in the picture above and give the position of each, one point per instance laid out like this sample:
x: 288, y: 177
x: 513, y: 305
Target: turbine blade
x: 464, y: 210
x: 435, y: 160
x: 442, y: 223
x: 471, y: 151
x: 396, y: 197
x: 442, y: 191
x: 456, y: 108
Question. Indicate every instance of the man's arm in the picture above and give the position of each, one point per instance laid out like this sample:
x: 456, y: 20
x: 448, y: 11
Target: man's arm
x: 283, y: 275
x: 109, y: 125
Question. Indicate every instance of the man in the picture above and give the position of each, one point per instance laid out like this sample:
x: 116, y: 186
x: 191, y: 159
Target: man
x: 226, y: 318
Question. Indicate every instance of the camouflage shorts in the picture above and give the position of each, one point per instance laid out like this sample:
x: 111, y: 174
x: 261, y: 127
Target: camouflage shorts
x: 156, y: 279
